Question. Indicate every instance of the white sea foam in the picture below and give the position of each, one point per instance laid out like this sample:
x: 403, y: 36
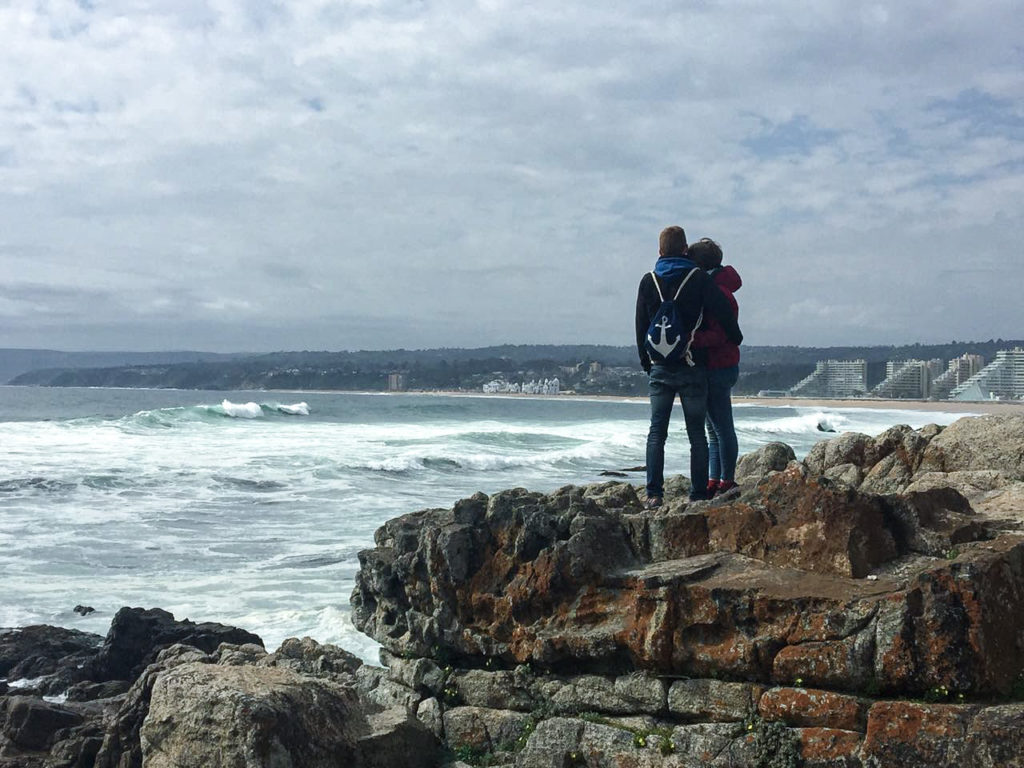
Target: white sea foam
x: 241, y: 410
x: 297, y: 409
x: 815, y: 421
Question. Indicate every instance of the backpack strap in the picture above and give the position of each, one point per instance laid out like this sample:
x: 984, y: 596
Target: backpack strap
x: 685, y: 281
x: 654, y: 277
x: 687, y: 354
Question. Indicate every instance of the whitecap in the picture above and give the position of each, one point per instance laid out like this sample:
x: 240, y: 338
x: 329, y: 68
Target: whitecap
x: 296, y: 409
x: 242, y: 410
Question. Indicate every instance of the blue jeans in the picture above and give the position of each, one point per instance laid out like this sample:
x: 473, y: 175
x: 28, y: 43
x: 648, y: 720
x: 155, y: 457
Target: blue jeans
x: 722, y: 446
x: 691, y: 386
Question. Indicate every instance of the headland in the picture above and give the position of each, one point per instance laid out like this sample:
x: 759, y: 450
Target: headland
x: 863, y: 607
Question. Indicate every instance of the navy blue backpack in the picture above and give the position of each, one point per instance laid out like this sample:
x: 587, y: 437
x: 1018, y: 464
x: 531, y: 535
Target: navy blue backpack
x: 667, y: 329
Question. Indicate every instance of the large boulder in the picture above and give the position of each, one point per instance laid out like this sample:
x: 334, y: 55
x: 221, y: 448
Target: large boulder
x: 205, y: 714
x: 982, y: 443
x: 756, y: 465
x: 137, y: 635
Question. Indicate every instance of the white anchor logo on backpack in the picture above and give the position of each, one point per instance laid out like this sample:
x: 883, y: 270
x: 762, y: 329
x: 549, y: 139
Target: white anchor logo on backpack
x: 661, y: 346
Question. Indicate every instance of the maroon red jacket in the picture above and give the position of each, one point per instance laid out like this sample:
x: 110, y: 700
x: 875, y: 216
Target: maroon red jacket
x: 721, y: 352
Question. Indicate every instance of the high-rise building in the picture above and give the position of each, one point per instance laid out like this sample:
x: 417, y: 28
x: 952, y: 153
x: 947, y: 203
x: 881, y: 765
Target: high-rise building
x: 959, y: 371
x: 908, y: 379
x: 1001, y: 379
x: 834, y: 378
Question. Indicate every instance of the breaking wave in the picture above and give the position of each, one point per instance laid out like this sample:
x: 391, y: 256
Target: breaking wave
x: 170, y: 417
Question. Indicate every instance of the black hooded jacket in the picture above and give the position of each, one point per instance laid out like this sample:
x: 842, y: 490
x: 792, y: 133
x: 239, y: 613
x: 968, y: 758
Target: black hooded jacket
x: 700, y: 293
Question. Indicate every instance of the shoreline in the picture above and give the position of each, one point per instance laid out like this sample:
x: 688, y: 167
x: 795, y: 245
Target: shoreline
x: 938, y: 406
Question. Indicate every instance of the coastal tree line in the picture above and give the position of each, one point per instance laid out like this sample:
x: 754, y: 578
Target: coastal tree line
x: 591, y: 369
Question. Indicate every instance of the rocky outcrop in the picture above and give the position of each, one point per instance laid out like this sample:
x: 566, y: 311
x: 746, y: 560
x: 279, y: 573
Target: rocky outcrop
x: 302, y: 706
x: 861, y: 608
x: 786, y: 621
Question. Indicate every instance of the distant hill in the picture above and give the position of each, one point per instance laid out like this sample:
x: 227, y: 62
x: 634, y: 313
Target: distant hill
x: 773, y: 368
x: 14, y: 362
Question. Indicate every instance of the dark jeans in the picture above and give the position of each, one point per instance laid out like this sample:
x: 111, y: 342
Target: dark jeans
x: 722, y: 445
x: 691, y: 386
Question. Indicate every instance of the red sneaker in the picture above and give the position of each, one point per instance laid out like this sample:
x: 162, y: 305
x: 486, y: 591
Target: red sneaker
x: 726, y: 485
x: 713, y: 488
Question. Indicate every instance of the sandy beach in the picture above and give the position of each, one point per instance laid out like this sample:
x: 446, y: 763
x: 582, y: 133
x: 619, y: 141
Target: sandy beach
x: 945, y: 406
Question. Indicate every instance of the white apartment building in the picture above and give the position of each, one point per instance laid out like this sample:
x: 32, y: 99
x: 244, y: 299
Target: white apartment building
x: 834, y: 378
x: 908, y: 379
x: 960, y: 369
x: 1002, y: 379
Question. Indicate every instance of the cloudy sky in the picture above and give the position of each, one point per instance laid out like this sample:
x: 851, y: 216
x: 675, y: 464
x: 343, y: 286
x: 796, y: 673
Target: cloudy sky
x: 258, y: 175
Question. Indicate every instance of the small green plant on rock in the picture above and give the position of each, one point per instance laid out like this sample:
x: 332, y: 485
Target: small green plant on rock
x: 472, y: 755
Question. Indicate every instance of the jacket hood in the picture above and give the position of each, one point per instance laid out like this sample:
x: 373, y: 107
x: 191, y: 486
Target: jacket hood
x: 728, y: 278
x: 671, y: 267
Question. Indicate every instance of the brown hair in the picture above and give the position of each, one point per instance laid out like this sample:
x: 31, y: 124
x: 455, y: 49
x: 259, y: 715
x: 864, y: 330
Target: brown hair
x: 706, y: 253
x: 672, y: 242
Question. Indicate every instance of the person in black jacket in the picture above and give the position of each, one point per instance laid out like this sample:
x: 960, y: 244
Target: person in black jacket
x: 686, y: 378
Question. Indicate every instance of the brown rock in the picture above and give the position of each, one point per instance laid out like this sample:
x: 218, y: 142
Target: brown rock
x: 813, y: 708
x: 915, y: 735
x: 829, y: 748
x: 995, y: 738
x: 797, y: 521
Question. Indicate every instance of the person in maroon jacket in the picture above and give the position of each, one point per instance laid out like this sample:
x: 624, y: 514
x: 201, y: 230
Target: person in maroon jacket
x: 723, y: 359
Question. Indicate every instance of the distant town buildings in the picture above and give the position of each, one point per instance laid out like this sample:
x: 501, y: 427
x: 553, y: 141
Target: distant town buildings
x: 544, y: 387
x: 964, y: 378
x: 834, y: 378
x: 1002, y: 379
x: 396, y: 382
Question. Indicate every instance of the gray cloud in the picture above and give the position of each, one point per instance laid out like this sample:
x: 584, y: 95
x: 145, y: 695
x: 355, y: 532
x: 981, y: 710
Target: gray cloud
x: 376, y: 174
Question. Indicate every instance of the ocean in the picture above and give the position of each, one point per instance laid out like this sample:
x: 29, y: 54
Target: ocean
x: 249, y: 508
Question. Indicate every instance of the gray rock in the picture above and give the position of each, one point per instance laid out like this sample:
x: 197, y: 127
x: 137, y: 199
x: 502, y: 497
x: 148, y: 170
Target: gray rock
x: 431, y: 714
x: 771, y: 457
x: 978, y: 443
x: 202, y: 715
x: 420, y: 674
x: 489, y: 730
x: 627, y: 695
x: 495, y: 690
x: 395, y: 738
x: 378, y: 689
x: 32, y: 723
x: 713, y: 700
x: 312, y: 658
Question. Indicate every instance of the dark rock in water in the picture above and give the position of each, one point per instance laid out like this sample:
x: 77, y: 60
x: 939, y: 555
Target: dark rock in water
x: 54, y: 654
x: 84, y: 610
x: 136, y: 636
x: 613, y: 473
x: 825, y: 427
x: 31, y: 723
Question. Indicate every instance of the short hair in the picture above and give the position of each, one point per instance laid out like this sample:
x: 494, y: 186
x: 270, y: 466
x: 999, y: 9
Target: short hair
x: 706, y: 253
x: 672, y: 242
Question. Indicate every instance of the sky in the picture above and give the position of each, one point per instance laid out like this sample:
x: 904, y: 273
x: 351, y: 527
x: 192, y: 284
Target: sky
x: 249, y: 175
